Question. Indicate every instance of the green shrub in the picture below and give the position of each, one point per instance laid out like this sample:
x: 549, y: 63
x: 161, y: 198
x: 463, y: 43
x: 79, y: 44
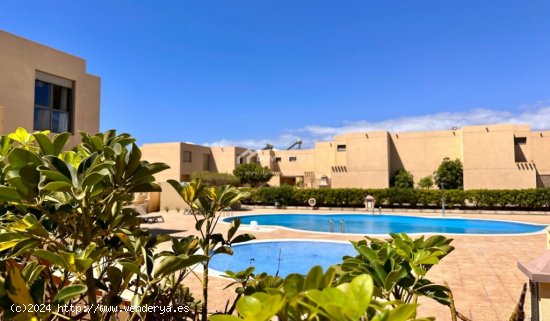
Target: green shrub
x: 532, y: 199
x: 67, y: 232
x: 284, y: 194
x: 393, y: 274
x: 216, y: 179
x: 402, y: 179
x: 450, y: 173
x: 253, y: 174
x: 426, y: 182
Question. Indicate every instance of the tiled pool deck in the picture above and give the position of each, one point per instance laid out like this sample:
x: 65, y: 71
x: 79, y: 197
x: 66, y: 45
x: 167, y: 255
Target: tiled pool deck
x: 482, y: 271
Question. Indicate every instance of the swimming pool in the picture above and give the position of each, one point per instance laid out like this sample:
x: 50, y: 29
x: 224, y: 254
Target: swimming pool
x: 285, y: 256
x: 384, y: 224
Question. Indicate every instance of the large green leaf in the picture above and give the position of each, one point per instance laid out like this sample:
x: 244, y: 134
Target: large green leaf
x: 46, y: 146
x: 5, y: 145
x: 49, y: 256
x: 57, y: 186
x: 242, y: 238
x: 131, y: 266
x: 9, y: 194
x: 54, y: 175
x: 69, y: 292
x: 59, y: 142
x: 134, y: 161
x: 65, y: 168
x: 171, y: 264
x: 403, y: 312
x: 92, y: 179
x: 19, y: 157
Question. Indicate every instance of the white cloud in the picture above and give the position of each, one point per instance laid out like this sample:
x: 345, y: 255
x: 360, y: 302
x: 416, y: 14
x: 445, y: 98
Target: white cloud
x: 537, y: 115
x: 538, y: 119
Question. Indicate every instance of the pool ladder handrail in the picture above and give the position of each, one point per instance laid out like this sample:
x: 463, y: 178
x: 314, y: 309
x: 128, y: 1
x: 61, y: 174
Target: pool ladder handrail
x: 342, y: 226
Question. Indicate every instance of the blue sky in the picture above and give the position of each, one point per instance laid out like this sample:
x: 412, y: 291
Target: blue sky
x: 251, y: 72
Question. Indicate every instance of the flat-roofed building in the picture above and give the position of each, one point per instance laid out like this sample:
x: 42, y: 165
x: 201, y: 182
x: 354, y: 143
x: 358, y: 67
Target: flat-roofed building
x: 501, y: 156
x: 45, y: 89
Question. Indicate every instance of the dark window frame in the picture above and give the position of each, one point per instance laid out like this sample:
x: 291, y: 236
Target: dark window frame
x: 292, y: 159
x: 187, y: 152
x: 51, y: 109
x: 341, y: 148
x: 206, y: 160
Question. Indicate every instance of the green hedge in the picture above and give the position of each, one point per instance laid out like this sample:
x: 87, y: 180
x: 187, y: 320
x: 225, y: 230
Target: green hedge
x: 216, y: 179
x: 403, y: 197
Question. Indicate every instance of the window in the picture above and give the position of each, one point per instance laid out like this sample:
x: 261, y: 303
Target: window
x: 292, y: 159
x: 206, y: 162
x: 277, y: 159
x: 53, y: 105
x: 341, y: 148
x: 187, y: 156
x: 520, y: 140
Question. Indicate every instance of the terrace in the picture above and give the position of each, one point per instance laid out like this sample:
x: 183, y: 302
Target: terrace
x: 482, y: 270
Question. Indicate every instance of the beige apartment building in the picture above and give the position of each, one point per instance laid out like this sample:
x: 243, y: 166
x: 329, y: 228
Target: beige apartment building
x: 45, y: 89
x: 498, y: 156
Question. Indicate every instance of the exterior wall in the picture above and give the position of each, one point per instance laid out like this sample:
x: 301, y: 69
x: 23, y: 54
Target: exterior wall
x: 266, y: 158
x: 364, y: 163
x: 197, y: 159
x: 20, y: 60
x: 421, y: 153
x: 305, y: 162
x: 225, y: 158
x: 325, y: 159
x: 539, y: 143
x: 2, y: 120
x: 172, y: 155
x: 168, y: 153
x: 489, y: 158
x: 170, y: 199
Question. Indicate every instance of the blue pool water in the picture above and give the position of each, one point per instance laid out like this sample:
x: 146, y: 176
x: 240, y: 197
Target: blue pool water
x: 384, y: 224
x: 295, y: 256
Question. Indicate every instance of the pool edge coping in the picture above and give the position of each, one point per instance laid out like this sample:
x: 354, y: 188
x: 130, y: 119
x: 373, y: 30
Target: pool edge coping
x: 543, y: 230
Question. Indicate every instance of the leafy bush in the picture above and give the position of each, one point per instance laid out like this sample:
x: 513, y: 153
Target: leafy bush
x: 533, y: 199
x: 205, y: 204
x: 399, y: 266
x: 450, y: 173
x: 382, y: 282
x: 253, y: 174
x: 67, y: 236
x: 426, y: 182
x: 216, y: 179
x: 284, y: 194
x: 402, y: 179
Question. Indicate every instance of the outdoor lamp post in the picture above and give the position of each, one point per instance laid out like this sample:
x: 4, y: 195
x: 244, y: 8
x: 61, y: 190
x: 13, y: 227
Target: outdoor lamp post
x: 369, y: 203
x: 538, y: 272
x: 442, y: 199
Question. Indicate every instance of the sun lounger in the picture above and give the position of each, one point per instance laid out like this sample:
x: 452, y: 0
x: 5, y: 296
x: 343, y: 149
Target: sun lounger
x: 151, y: 218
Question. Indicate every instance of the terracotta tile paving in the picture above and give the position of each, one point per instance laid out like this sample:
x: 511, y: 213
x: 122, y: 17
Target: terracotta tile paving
x: 482, y: 271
